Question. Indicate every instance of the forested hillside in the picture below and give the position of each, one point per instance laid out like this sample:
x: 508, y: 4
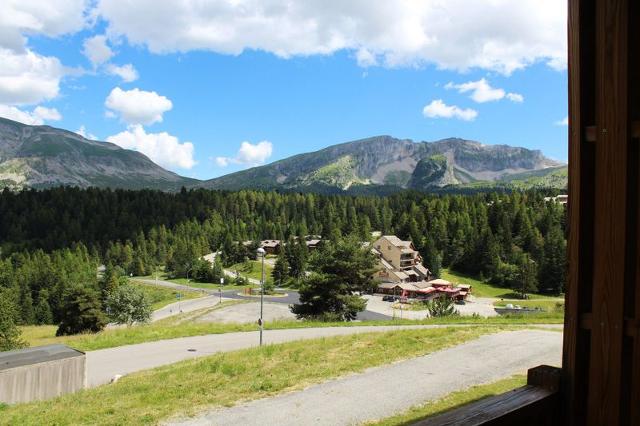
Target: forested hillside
x: 54, y: 239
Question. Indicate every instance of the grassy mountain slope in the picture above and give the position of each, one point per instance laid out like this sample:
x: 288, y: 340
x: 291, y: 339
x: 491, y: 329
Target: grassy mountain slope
x: 384, y: 164
x: 43, y: 156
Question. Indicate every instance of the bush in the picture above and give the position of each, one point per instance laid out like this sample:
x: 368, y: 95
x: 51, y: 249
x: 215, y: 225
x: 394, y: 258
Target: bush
x: 81, y: 313
x: 127, y: 304
x: 441, y: 307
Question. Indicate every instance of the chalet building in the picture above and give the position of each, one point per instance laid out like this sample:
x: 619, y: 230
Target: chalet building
x: 426, y: 290
x: 560, y: 199
x: 271, y: 246
x: 399, y: 261
x: 313, y: 244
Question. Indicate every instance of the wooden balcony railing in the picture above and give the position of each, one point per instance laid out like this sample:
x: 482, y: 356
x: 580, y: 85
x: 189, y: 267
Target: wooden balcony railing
x: 537, y: 403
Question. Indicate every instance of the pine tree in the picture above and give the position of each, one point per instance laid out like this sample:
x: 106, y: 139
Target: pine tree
x: 81, y: 312
x: 553, y: 266
x: 431, y: 256
x: 527, y: 275
x: 43, y: 313
x: 343, y: 269
x: 280, y: 271
x: 9, y: 332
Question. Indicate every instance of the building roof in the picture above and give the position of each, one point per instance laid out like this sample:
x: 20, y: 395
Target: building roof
x: 401, y: 275
x: 397, y: 241
x: 421, y: 269
x: 37, y: 355
x: 464, y: 286
x: 269, y: 243
x: 313, y: 242
x: 440, y: 282
x: 422, y: 284
x: 386, y: 264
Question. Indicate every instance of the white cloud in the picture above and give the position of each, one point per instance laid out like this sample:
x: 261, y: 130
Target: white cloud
x: 162, y: 148
x: 438, y: 109
x: 126, y: 72
x: 515, y: 97
x: 499, y: 35
x: 481, y: 91
x: 563, y: 122
x: 36, y: 117
x: 365, y: 58
x: 96, y: 50
x: 222, y: 161
x: 27, y: 77
x: 248, y: 154
x: 137, y: 106
x: 51, y: 18
x: 82, y: 131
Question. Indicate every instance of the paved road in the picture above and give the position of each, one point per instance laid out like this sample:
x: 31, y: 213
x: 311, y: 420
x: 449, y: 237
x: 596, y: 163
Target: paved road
x: 292, y: 297
x: 104, y: 364
x: 384, y: 391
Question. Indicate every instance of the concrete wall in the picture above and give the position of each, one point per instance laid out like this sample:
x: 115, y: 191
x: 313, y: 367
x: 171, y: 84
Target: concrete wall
x: 43, y: 381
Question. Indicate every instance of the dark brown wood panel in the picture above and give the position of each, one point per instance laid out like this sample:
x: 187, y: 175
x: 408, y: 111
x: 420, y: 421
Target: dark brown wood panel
x: 610, y: 212
x: 633, y: 325
x: 525, y: 406
x: 581, y: 34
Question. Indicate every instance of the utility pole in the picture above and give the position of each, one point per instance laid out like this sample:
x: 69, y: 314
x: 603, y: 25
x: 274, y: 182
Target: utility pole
x: 261, y: 253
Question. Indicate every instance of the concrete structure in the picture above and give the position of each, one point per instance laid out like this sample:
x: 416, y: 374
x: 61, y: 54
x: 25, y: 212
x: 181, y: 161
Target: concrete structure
x: 399, y: 261
x: 41, y: 373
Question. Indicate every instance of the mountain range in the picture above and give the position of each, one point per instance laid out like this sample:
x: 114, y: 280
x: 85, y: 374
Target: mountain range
x: 43, y: 156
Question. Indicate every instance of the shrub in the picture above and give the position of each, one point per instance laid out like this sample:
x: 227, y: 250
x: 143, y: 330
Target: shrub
x: 441, y: 307
x: 127, y: 304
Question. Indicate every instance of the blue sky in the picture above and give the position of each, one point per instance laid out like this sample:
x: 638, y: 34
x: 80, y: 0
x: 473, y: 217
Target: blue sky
x: 225, y: 99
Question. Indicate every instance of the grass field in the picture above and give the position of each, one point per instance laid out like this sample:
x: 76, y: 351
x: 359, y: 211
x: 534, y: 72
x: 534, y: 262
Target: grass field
x: 220, y: 380
x: 162, y: 296
x: 451, y: 401
x: 253, y: 269
x: 484, y: 289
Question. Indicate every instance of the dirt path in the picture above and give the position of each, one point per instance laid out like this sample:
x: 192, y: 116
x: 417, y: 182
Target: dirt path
x: 384, y: 391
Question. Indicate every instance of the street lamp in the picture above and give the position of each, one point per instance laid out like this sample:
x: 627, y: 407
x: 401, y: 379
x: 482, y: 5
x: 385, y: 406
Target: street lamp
x: 261, y: 253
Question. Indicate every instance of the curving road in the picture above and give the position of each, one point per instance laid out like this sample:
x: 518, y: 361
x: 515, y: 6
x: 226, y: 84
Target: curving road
x: 292, y: 297
x: 390, y: 389
x: 104, y: 364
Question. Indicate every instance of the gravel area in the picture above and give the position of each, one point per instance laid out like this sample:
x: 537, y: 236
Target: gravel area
x: 479, y: 306
x: 384, y: 391
x: 248, y: 312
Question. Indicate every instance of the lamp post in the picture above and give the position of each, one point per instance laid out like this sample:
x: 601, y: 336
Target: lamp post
x: 261, y: 253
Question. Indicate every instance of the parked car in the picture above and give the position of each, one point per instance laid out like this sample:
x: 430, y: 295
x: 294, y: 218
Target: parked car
x: 388, y: 298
